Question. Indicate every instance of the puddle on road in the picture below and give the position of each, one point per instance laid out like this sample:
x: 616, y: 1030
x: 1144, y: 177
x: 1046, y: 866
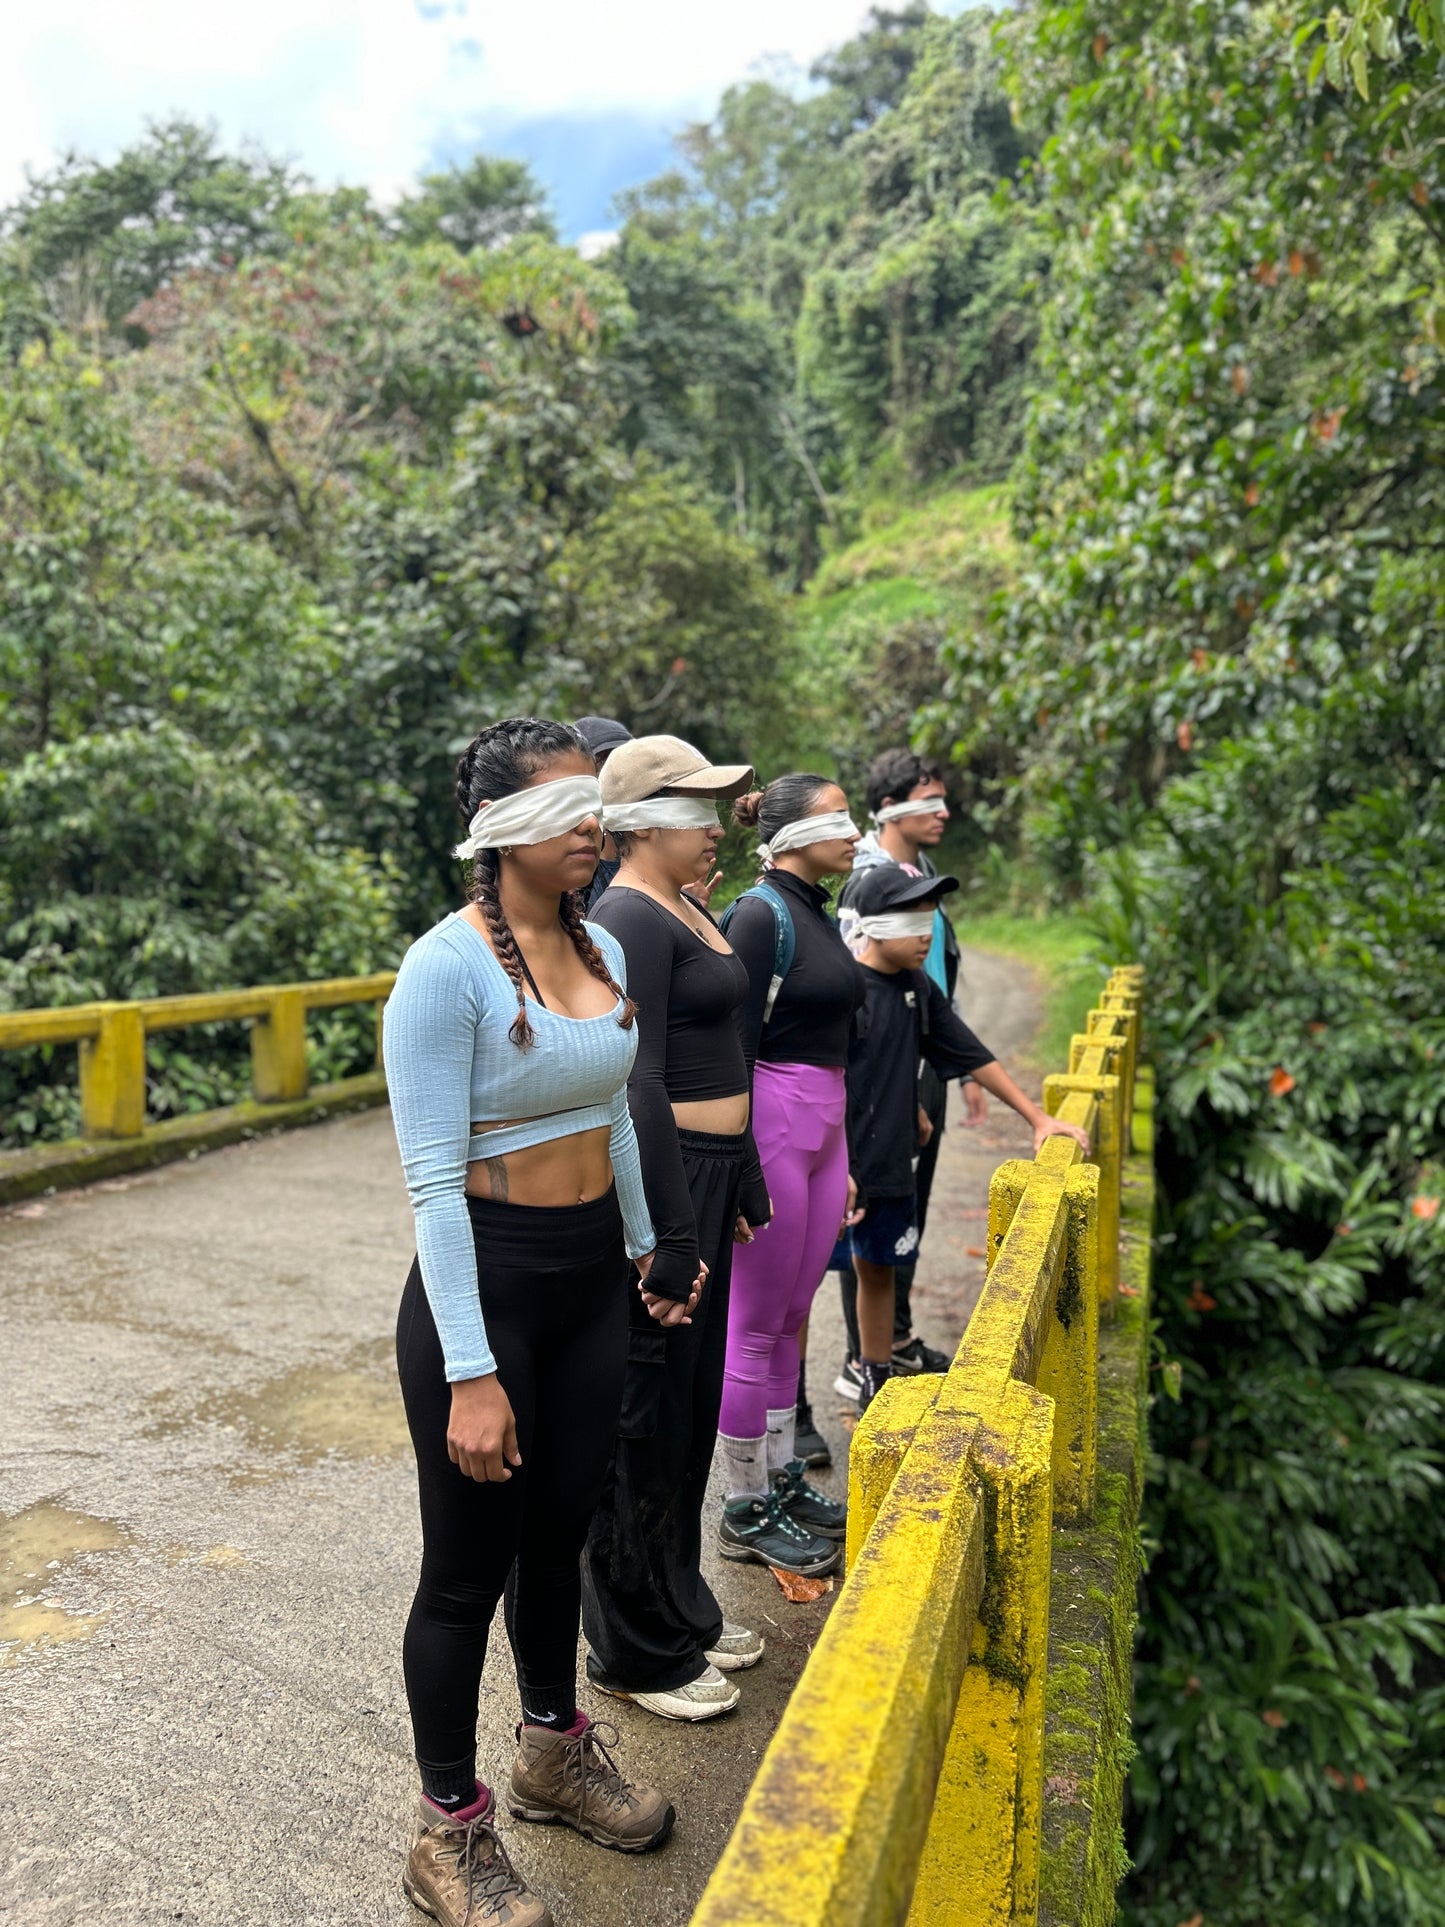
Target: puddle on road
x: 313, y: 1412
x: 38, y: 1547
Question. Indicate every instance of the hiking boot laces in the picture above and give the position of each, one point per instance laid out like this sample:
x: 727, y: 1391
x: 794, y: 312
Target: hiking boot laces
x: 603, y: 1777
x: 778, y: 1516
x: 481, y: 1856
x: 799, y: 1488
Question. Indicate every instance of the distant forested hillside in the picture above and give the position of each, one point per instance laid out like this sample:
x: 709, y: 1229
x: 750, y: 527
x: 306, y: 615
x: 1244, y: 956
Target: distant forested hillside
x: 296, y: 491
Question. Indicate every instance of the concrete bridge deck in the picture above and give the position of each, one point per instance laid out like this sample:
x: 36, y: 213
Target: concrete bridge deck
x: 210, y: 1542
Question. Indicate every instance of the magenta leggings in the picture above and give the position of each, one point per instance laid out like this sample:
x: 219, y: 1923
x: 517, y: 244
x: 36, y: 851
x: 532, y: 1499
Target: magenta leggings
x: 798, y: 1124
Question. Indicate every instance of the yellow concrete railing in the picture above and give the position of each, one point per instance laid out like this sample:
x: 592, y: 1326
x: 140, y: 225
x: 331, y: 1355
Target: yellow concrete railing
x: 112, y: 1040
x: 905, y: 1780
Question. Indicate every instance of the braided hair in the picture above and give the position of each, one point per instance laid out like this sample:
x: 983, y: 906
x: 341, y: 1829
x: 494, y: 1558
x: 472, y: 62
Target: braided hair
x: 498, y: 761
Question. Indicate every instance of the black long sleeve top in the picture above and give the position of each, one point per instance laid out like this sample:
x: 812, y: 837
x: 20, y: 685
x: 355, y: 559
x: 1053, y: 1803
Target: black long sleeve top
x: 813, y: 1016
x: 688, y: 1051
x: 890, y: 1038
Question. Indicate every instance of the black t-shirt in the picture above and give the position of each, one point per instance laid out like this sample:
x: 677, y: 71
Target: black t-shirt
x: 813, y: 1016
x: 890, y: 1038
x: 688, y: 1050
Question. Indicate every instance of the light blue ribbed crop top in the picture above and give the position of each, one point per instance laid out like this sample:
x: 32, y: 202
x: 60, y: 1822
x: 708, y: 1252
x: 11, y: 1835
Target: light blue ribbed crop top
x: 449, y: 1063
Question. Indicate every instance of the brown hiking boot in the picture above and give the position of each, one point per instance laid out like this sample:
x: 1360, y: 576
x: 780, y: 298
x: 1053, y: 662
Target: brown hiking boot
x: 459, y: 1873
x: 571, y: 1780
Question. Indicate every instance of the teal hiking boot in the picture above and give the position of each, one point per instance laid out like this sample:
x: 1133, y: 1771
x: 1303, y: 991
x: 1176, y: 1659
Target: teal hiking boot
x: 758, y: 1529
x: 806, y: 1506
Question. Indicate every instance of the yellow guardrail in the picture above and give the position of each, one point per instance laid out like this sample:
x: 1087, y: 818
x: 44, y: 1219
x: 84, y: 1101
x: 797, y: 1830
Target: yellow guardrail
x: 112, y: 1040
x: 905, y: 1780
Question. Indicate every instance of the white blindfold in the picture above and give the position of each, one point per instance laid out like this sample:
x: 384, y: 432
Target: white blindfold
x: 920, y: 806
x: 829, y: 827
x: 898, y: 923
x: 533, y: 815
x: 663, y: 813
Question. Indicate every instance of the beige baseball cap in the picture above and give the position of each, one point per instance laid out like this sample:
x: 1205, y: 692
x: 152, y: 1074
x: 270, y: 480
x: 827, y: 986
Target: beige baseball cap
x: 639, y: 769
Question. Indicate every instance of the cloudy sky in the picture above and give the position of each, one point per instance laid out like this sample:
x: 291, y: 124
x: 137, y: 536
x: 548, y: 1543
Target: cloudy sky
x: 378, y: 90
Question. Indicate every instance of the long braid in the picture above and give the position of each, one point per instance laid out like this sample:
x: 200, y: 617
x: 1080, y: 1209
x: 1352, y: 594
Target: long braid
x: 574, y: 923
x: 488, y: 900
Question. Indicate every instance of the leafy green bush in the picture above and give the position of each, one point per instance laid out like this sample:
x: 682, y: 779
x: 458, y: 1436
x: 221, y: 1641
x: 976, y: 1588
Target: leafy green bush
x: 140, y: 864
x: 1291, y: 1676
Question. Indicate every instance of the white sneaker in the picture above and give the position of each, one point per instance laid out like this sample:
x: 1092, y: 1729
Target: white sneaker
x: 701, y: 1699
x: 736, y: 1650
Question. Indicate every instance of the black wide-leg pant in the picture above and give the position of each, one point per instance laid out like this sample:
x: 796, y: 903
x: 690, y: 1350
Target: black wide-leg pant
x: 649, y: 1614
x: 554, y: 1288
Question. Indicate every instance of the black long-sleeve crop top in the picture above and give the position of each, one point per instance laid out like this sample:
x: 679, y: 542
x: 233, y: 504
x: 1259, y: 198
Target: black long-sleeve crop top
x: 688, y: 1051
x: 812, y: 1019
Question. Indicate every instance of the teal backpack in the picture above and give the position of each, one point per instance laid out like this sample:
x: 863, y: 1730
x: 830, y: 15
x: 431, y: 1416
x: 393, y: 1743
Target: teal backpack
x: 785, y: 938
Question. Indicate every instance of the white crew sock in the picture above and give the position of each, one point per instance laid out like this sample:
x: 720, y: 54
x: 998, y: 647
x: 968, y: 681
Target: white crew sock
x: 745, y: 1461
x: 782, y: 1428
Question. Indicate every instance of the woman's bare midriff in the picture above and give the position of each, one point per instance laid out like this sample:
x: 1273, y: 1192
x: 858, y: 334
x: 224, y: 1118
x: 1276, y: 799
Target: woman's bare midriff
x: 723, y: 1116
x: 565, y: 1170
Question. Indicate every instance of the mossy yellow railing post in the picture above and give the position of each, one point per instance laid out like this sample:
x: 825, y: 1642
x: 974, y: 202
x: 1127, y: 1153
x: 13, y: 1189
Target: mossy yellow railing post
x: 115, y: 1134
x: 113, y: 1073
x: 278, y: 1049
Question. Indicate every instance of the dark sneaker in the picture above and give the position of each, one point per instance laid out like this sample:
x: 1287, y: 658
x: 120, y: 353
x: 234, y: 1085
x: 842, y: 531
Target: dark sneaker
x: 872, y: 1379
x: 808, y: 1442
x: 806, y: 1506
x: 849, y: 1382
x: 759, y: 1529
x: 571, y: 1780
x: 915, y: 1356
x: 459, y: 1873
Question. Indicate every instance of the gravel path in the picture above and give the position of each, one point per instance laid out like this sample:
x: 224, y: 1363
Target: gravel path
x: 210, y: 1540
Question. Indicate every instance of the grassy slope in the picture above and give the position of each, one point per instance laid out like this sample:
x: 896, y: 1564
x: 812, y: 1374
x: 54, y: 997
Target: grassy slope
x: 863, y: 624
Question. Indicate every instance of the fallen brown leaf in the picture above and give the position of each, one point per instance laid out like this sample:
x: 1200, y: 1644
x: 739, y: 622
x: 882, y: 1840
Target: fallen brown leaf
x: 801, y: 1590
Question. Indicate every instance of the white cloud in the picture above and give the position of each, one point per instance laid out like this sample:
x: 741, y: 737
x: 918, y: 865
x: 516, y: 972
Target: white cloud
x: 362, y: 90
x: 596, y: 241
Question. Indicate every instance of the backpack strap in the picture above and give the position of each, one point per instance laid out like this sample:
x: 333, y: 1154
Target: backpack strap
x: 785, y: 939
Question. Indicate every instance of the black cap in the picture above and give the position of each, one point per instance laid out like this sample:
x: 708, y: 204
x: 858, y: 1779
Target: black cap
x: 888, y: 886
x: 602, y: 733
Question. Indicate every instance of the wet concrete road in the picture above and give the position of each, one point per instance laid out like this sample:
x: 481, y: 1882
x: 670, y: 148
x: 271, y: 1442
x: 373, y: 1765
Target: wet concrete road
x: 209, y: 1543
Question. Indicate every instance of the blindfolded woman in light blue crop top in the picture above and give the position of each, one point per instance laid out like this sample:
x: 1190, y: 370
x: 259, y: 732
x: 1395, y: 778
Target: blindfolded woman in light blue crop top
x: 508, y: 1040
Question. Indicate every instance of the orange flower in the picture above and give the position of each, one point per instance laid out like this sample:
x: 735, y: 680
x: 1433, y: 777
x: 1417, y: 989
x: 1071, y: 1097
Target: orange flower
x: 1280, y: 1082
x: 1184, y: 735
x: 1251, y: 496
x: 1199, y: 1298
x: 1272, y: 1718
x: 1425, y: 1207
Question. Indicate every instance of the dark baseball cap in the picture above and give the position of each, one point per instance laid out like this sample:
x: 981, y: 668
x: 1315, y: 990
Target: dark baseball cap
x: 888, y: 886
x: 602, y: 733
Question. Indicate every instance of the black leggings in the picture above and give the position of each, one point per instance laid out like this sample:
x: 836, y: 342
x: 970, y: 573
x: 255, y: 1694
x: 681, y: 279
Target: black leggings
x: 554, y: 1291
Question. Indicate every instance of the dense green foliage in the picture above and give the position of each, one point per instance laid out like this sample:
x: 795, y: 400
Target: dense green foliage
x: 295, y: 491
x: 1226, y: 696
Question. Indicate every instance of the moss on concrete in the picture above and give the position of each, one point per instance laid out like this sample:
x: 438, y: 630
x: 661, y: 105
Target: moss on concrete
x: 1087, y: 1745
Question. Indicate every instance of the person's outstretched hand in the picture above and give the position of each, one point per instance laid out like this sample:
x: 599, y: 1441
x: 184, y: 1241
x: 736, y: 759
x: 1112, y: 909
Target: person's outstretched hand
x: 1045, y: 1127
